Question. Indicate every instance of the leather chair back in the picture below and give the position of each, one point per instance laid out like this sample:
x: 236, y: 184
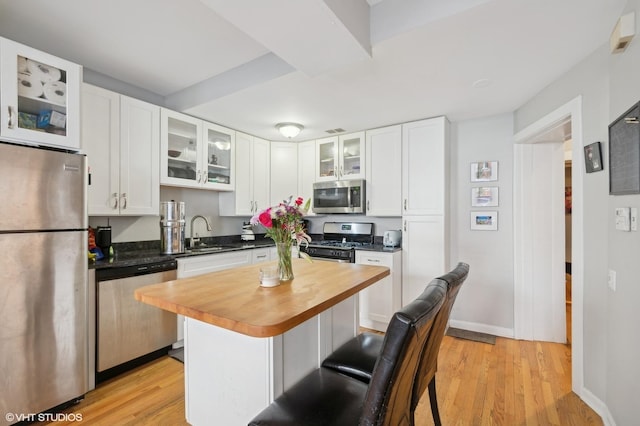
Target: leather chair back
x: 389, y: 395
x: 429, y: 357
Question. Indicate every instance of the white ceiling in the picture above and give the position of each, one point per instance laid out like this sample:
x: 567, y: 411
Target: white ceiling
x: 357, y: 64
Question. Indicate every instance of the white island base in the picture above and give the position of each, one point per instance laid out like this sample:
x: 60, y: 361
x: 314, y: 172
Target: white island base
x: 231, y: 377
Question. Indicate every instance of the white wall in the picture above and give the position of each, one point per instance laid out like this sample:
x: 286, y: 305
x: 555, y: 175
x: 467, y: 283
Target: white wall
x: 609, y: 86
x: 623, y: 344
x: 485, y: 302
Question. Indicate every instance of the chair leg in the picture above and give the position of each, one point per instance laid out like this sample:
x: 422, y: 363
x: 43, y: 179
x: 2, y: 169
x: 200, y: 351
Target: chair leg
x: 434, y: 402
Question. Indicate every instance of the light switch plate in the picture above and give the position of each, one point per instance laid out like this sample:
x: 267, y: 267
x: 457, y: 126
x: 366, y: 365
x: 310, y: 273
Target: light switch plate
x: 623, y: 219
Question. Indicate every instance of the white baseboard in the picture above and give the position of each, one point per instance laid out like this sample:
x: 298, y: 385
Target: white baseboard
x: 598, y: 406
x: 482, y: 328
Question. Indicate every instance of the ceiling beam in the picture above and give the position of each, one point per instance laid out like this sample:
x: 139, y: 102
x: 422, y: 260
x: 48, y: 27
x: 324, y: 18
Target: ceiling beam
x: 313, y: 36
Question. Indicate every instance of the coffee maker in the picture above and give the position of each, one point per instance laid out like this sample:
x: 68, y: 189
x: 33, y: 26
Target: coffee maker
x: 103, y: 239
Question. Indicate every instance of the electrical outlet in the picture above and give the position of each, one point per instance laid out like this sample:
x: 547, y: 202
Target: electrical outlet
x: 612, y: 280
x: 634, y: 219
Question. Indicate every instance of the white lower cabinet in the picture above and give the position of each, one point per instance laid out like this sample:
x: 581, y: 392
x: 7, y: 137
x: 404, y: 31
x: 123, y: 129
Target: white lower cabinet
x: 264, y: 254
x: 380, y: 301
x: 198, y: 265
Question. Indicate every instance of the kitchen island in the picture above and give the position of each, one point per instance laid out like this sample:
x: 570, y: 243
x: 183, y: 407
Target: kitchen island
x: 245, y: 344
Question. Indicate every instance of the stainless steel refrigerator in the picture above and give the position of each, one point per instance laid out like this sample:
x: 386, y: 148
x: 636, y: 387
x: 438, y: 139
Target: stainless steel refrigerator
x: 43, y: 280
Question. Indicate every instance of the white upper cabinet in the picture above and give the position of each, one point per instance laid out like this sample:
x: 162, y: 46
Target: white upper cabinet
x: 341, y: 157
x: 424, y: 167
x: 306, y: 171
x: 39, y: 97
x: 251, y: 192
x: 384, y: 171
x: 284, y: 171
x: 121, y: 139
x: 195, y: 153
x: 101, y: 136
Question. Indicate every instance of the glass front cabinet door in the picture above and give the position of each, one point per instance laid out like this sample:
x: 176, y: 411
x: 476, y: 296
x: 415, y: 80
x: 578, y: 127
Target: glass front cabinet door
x: 352, y: 148
x: 195, y: 153
x: 341, y: 157
x: 219, y: 157
x: 39, y: 97
x: 327, y: 158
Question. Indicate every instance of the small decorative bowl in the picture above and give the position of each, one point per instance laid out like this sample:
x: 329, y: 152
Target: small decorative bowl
x: 173, y: 153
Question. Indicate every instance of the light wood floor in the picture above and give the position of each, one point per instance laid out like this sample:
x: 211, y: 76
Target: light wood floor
x: 510, y: 383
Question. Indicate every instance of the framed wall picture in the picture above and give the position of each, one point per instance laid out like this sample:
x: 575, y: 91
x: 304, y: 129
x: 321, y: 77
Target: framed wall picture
x: 484, y: 221
x: 484, y: 196
x: 593, y: 157
x: 484, y: 171
x: 624, y: 153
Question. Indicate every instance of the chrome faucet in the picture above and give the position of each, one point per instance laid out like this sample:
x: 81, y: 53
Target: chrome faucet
x: 193, y: 241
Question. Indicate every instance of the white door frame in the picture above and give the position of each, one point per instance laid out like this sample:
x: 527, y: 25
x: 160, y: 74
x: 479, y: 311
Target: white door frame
x: 523, y: 309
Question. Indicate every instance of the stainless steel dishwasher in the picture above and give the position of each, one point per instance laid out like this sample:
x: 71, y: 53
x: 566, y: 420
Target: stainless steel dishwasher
x: 129, y: 332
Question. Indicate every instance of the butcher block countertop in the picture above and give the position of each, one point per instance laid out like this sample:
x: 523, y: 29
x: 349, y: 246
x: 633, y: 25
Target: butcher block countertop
x: 233, y: 299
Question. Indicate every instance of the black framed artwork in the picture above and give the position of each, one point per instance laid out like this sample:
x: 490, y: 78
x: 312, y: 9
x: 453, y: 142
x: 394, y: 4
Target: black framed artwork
x: 624, y: 153
x: 593, y: 157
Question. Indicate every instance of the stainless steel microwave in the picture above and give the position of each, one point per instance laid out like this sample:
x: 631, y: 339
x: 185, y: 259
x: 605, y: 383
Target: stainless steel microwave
x: 339, y: 196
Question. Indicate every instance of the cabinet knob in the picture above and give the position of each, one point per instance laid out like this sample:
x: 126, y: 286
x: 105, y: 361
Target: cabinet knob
x: 115, y: 200
x: 368, y: 208
x: 405, y: 203
x: 123, y: 201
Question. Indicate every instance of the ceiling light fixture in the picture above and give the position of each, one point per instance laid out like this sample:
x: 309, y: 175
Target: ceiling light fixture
x: 289, y: 130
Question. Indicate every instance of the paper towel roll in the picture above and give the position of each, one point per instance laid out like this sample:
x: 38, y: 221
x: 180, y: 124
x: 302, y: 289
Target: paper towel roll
x: 29, y: 86
x: 56, y: 91
x: 43, y: 72
x: 22, y: 64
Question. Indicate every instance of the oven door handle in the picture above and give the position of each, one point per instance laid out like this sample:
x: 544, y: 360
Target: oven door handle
x: 325, y: 259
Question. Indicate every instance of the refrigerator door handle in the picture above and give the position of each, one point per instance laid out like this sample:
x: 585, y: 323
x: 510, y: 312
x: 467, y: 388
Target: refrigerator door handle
x: 10, y: 121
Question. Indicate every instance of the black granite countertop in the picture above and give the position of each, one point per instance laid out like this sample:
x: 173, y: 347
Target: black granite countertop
x: 146, y: 252
x: 379, y: 248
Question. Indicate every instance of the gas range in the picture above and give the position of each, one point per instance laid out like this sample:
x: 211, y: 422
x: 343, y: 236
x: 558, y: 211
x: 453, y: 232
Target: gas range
x: 340, y: 240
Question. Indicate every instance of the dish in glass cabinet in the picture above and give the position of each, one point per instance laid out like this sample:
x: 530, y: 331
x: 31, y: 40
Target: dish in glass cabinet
x: 173, y: 153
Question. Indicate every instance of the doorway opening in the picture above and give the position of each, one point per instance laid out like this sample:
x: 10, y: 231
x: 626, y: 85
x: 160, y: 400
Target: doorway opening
x: 540, y: 222
x: 568, y: 164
